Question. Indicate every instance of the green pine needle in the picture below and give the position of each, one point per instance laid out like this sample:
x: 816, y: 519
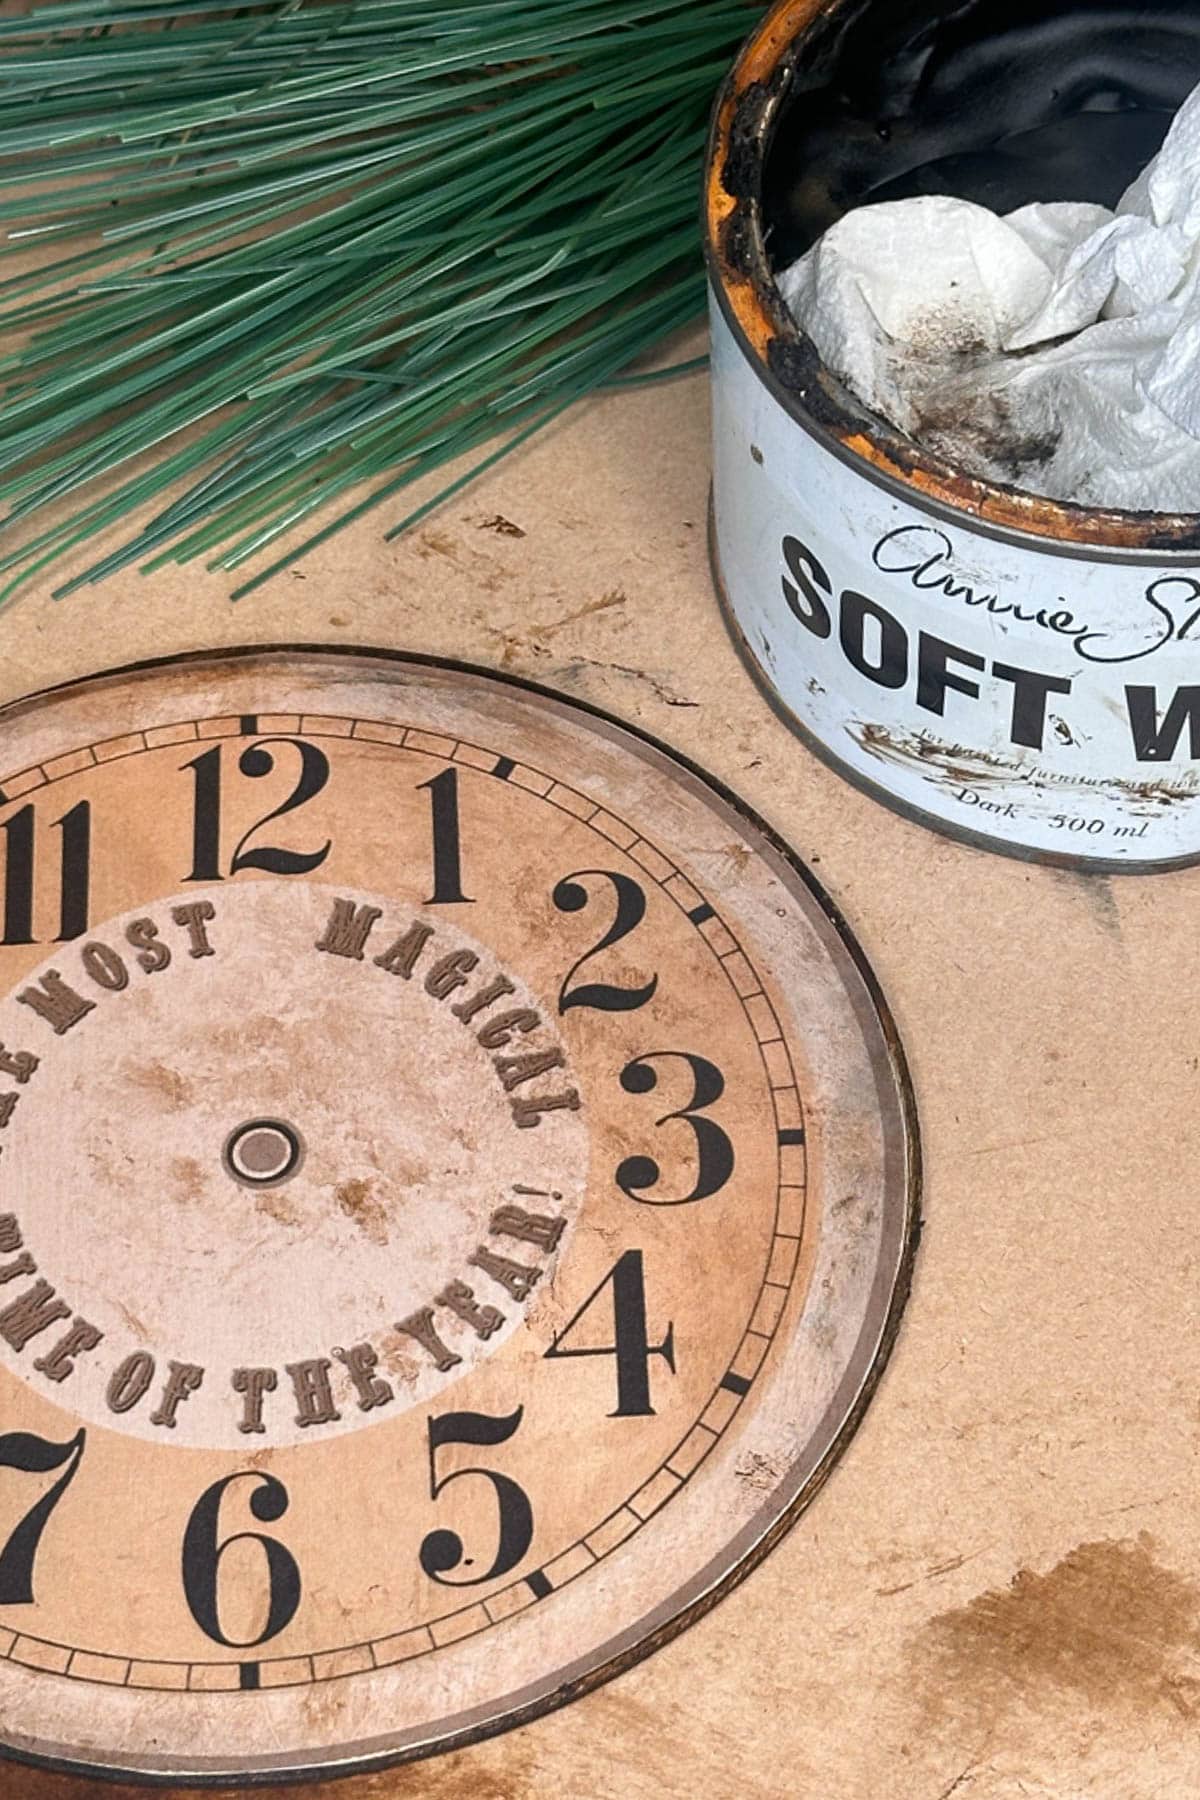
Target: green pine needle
x: 259, y: 257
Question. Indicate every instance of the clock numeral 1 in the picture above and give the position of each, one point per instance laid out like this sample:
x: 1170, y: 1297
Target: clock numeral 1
x: 447, y: 843
x: 206, y: 817
x: 34, y: 1456
x: 631, y: 1342
x: 19, y: 860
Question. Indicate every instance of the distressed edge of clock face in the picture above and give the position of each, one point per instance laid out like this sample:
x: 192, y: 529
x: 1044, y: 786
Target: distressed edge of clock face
x: 396, y: 682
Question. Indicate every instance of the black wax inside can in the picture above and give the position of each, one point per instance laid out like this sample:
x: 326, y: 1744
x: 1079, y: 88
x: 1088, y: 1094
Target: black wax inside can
x: 998, y: 101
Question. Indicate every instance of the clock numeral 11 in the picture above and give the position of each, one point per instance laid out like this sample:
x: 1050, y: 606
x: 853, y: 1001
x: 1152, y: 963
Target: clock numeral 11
x: 19, y: 833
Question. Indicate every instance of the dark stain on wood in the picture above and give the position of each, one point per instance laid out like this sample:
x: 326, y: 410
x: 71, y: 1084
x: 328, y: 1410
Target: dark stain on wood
x: 1108, y: 1627
x: 502, y: 526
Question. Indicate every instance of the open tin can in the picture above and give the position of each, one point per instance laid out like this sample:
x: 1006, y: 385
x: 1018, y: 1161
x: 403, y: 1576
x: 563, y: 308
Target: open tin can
x: 1018, y: 672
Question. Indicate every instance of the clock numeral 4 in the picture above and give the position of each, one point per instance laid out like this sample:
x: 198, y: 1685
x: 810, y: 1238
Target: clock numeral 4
x: 631, y: 1342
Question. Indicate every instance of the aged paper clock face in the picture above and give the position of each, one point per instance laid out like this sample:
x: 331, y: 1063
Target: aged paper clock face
x: 456, y: 1192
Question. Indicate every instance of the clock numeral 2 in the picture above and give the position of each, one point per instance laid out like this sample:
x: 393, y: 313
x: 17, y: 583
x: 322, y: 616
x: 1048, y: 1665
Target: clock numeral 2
x: 34, y: 1456
x: 631, y: 1342
x: 19, y: 860
x: 571, y: 896
x: 254, y: 762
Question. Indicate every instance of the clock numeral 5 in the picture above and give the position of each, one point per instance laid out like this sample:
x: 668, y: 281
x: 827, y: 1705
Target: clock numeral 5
x: 442, y: 1551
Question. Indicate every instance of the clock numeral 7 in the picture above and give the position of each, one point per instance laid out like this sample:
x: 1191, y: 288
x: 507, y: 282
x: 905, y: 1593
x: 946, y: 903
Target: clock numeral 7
x: 33, y: 1456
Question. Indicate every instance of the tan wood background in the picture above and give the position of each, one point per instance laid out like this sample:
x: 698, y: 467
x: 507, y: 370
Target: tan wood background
x: 998, y: 1592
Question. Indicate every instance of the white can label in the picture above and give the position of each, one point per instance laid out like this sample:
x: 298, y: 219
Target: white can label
x: 1050, y: 701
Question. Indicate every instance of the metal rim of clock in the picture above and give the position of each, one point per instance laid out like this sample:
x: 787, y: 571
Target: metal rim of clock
x: 851, y: 1415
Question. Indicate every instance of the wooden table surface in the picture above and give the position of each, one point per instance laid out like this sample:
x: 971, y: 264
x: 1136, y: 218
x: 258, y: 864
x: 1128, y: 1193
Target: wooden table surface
x: 998, y: 1592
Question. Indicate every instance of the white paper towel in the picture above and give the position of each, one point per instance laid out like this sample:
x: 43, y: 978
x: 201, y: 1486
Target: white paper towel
x: 1056, y: 347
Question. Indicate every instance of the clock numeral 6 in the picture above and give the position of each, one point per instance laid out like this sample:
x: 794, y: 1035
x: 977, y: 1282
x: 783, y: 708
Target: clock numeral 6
x: 203, y: 1551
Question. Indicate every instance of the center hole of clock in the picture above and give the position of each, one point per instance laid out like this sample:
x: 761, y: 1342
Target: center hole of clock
x: 263, y: 1152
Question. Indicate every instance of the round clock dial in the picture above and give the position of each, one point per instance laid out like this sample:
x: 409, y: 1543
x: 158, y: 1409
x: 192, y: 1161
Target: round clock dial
x: 456, y: 1192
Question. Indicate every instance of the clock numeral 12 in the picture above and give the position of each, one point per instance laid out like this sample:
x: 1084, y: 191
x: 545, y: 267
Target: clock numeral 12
x: 19, y: 860
x: 254, y: 762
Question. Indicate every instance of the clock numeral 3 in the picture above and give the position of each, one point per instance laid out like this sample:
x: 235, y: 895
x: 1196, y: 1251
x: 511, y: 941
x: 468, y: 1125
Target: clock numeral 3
x: 571, y: 896
x: 714, y: 1152
x: 34, y: 1456
x: 442, y: 1551
x: 203, y: 1550
x: 631, y: 1343
x: 254, y: 762
x: 19, y: 859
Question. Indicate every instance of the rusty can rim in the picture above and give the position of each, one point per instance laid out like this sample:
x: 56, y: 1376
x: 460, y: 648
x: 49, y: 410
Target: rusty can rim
x: 789, y: 364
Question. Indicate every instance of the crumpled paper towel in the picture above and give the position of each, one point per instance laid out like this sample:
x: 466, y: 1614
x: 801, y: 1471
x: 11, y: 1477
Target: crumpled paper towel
x: 1057, y: 347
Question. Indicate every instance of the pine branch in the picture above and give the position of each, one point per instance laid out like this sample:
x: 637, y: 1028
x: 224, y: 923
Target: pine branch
x: 260, y: 256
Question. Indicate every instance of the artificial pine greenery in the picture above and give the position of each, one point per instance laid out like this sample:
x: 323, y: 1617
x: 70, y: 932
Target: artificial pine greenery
x: 259, y: 255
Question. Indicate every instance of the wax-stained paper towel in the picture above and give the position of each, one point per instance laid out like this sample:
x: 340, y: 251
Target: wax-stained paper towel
x: 1055, y: 347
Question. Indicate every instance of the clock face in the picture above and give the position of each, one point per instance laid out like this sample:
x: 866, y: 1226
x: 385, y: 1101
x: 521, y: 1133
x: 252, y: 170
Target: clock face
x: 456, y: 1193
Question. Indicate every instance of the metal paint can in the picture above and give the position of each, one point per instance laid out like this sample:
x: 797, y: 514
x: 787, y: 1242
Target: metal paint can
x: 1017, y: 672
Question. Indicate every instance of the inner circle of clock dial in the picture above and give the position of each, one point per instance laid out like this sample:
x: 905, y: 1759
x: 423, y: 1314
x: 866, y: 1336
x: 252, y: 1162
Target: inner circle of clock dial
x: 314, y: 1267
x: 406, y: 1238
